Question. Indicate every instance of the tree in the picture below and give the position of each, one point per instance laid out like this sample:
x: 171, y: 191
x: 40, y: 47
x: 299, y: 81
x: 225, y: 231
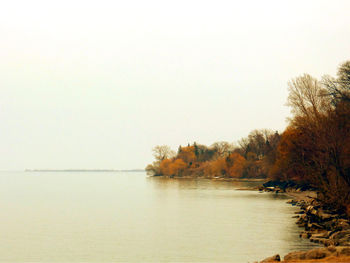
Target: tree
x: 178, y: 167
x: 187, y: 155
x: 316, y: 145
x: 307, y: 97
x: 235, y: 163
x: 162, y: 152
x: 222, y: 149
x: 339, y: 88
x: 153, y: 169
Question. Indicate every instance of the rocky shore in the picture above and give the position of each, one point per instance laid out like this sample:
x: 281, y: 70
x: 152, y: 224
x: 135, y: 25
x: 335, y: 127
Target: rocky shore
x: 324, y: 226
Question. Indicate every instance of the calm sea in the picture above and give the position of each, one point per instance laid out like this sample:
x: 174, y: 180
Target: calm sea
x: 129, y: 217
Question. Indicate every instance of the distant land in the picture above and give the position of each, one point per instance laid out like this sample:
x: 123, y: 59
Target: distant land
x: 83, y: 170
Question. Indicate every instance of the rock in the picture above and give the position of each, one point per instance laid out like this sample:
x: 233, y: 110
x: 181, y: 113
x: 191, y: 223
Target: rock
x: 324, y: 216
x: 279, y: 190
x: 291, y: 201
x: 316, y: 240
x: 329, y: 243
x: 319, y: 237
x: 328, y: 225
x: 341, y: 235
x: 344, y: 241
x: 332, y: 249
x: 343, y: 224
x: 318, y: 253
x: 343, y: 251
x: 311, y: 210
x: 314, y: 226
x: 272, y: 259
x: 324, y: 234
x: 295, y: 255
x: 305, y: 235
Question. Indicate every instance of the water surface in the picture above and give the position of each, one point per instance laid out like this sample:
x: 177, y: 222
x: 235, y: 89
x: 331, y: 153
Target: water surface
x: 128, y: 217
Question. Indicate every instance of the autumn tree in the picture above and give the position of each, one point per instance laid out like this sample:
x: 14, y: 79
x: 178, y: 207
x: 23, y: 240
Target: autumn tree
x: 160, y: 153
x: 217, y: 168
x: 235, y: 164
x: 222, y: 149
x: 315, y: 147
x: 188, y: 155
x: 339, y: 88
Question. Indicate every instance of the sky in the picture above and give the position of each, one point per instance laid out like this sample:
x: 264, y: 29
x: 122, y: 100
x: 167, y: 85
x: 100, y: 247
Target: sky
x: 98, y: 84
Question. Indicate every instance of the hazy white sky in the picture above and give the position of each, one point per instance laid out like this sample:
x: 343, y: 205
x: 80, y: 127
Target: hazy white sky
x: 97, y: 84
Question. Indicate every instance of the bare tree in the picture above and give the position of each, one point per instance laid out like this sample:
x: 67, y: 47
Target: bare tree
x: 161, y: 152
x: 307, y: 97
x: 339, y: 88
x: 223, y: 149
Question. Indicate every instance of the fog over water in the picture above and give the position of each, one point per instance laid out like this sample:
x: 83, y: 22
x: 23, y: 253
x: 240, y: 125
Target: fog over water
x: 97, y: 84
x: 128, y: 217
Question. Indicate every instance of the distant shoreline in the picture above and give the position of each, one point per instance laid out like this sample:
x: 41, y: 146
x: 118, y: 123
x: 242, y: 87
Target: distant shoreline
x: 82, y: 170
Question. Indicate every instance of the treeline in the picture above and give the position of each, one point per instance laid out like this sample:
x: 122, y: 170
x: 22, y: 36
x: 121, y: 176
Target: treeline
x: 314, y: 148
x: 251, y: 159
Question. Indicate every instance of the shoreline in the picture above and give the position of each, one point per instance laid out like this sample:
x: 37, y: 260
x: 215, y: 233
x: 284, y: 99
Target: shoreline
x: 320, y: 226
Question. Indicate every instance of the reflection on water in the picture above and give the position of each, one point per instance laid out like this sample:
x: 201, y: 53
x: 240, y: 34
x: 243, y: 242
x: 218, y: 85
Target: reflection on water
x: 128, y: 217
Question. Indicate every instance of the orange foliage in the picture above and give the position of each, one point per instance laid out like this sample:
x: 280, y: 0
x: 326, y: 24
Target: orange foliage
x: 315, y: 148
x: 170, y: 167
x: 236, y: 165
x: 165, y: 167
x: 216, y: 168
x: 177, y: 167
x: 187, y: 154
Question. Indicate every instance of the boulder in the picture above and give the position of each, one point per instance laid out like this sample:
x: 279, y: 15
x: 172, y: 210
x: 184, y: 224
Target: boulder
x: 275, y: 258
x: 332, y: 249
x: 291, y: 201
x: 305, y: 235
x: 328, y: 225
x: 343, y: 251
x: 343, y: 224
x: 319, y: 237
x: 324, y: 216
x: 311, y: 210
x: 344, y: 241
x: 341, y: 235
x: 329, y: 243
x: 317, y: 253
x: 298, y: 255
x: 316, y: 240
